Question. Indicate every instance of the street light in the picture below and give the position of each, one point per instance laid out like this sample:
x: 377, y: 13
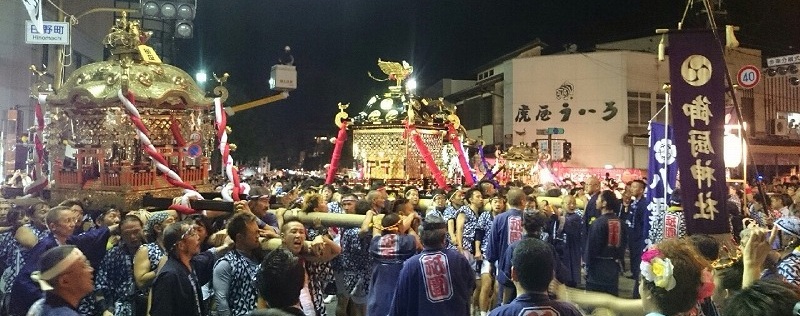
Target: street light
x: 733, y: 148
x: 733, y: 151
x: 169, y: 9
x: 186, y: 11
x: 184, y: 29
x: 411, y: 84
x: 201, y: 76
x: 182, y: 11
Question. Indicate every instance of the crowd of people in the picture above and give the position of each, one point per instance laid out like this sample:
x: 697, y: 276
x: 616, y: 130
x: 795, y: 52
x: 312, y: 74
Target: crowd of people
x: 482, y: 250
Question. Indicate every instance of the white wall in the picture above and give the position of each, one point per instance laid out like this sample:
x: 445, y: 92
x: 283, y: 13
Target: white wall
x: 597, y: 78
x: 16, y: 56
x: 645, y: 73
x: 640, y: 156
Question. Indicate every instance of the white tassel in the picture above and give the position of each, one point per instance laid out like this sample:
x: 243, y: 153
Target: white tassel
x: 661, y: 48
x: 730, y: 37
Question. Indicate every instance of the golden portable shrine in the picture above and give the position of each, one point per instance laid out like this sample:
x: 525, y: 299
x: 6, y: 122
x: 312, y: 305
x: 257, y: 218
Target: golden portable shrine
x: 526, y: 164
x: 111, y: 166
x: 402, y: 139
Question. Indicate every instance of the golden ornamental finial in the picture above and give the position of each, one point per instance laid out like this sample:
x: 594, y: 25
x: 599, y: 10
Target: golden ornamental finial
x: 221, y: 80
x: 342, y: 115
x: 125, y: 35
x: 39, y: 85
x: 220, y: 89
x: 394, y: 71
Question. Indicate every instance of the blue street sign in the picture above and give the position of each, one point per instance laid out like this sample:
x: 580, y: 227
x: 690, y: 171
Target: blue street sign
x: 555, y: 131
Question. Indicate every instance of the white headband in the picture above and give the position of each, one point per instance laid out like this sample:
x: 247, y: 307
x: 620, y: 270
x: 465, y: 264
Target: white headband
x: 56, y: 270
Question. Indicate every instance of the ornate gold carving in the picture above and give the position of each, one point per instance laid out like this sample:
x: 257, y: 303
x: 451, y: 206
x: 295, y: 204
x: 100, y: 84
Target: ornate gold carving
x: 113, y: 79
x: 86, y: 114
x: 521, y: 152
x: 124, y: 34
x: 221, y: 92
x: 156, y: 69
x: 221, y: 80
x: 39, y: 85
x: 342, y: 115
x: 145, y: 79
x: 394, y: 71
x: 83, y: 78
x: 180, y: 82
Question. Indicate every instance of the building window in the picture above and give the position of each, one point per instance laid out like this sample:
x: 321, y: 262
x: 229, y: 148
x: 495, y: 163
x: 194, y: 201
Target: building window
x: 639, y: 108
x: 45, y: 54
x: 485, y: 74
x: 747, y: 103
x: 476, y: 113
x: 660, y: 102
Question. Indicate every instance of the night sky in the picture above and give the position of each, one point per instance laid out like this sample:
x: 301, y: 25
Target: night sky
x: 335, y: 43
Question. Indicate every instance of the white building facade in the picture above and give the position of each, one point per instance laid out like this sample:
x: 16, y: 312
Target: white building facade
x: 602, y: 101
x: 587, y: 96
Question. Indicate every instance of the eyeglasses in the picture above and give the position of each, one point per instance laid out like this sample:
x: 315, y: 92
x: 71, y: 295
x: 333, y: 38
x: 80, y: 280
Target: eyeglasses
x: 264, y: 197
x: 69, y: 220
x: 188, y: 233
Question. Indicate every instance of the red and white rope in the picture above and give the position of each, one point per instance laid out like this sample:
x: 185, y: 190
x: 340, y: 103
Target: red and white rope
x: 158, y: 159
x: 230, y: 192
x: 37, y: 173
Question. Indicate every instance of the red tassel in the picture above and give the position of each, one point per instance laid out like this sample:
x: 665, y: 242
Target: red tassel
x: 185, y: 210
x: 176, y: 131
x: 237, y: 188
x: 453, y: 136
x: 337, y: 153
x: 426, y: 155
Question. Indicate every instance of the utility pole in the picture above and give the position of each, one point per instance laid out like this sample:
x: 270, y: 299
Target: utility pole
x: 58, y: 76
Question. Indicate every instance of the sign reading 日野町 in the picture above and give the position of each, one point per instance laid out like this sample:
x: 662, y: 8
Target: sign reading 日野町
x: 56, y: 33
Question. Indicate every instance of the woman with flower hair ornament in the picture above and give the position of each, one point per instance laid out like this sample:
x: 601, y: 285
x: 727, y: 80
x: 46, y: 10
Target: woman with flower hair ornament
x: 674, y: 278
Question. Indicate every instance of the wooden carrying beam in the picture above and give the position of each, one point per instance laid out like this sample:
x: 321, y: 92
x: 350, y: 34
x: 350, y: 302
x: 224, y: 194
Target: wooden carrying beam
x: 164, y: 203
x: 327, y: 219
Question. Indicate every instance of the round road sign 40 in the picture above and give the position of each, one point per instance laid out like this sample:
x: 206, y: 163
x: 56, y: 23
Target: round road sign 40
x: 748, y: 76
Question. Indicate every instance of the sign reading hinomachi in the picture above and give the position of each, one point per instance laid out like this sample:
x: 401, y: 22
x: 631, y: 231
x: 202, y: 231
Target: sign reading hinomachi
x: 56, y: 33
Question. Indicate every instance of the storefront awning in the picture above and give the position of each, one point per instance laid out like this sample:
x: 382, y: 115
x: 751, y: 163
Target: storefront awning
x: 772, y: 149
x: 772, y: 155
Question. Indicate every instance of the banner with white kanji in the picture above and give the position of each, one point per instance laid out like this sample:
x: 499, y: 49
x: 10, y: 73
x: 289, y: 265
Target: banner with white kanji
x: 661, y: 174
x: 697, y: 76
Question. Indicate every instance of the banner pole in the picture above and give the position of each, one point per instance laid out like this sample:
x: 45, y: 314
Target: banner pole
x: 666, y: 138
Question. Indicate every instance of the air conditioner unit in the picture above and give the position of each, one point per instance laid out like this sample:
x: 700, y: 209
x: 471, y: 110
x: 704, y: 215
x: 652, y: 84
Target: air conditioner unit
x: 781, y: 124
x: 640, y: 141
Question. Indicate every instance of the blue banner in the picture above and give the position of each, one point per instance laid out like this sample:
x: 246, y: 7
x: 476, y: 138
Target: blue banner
x: 661, y: 175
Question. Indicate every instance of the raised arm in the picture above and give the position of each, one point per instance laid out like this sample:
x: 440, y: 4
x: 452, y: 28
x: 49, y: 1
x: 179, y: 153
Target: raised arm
x: 141, y: 269
x: 222, y: 278
x: 366, y: 225
x: 26, y: 238
x: 329, y: 251
x: 461, y: 219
